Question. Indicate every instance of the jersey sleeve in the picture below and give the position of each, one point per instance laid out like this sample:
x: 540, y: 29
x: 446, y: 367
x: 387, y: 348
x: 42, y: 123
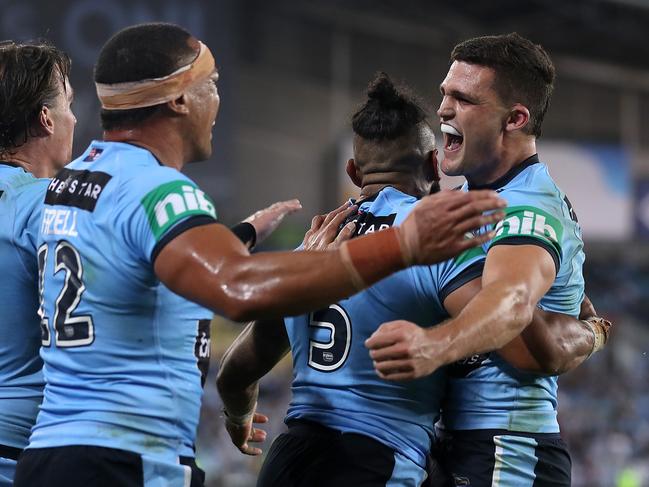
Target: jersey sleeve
x: 454, y: 273
x: 531, y: 219
x: 157, y: 212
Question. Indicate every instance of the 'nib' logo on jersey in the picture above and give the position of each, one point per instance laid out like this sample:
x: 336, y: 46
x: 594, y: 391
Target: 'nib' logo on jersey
x: 529, y: 221
x: 176, y: 204
x: 171, y: 202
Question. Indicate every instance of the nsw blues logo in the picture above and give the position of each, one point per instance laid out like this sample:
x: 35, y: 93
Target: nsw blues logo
x: 93, y: 155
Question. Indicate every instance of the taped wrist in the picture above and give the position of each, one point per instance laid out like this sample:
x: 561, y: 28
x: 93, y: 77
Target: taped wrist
x: 600, y: 328
x: 246, y: 233
x: 372, y: 257
x: 240, y: 419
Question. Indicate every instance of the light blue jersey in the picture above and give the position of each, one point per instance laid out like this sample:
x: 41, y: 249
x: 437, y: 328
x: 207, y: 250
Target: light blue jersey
x: 484, y: 391
x: 120, y: 350
x: 21, y: 378
x: 334, y: 380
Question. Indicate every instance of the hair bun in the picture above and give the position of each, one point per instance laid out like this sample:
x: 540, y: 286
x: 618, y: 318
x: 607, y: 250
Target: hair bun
x: 383, y: 90
x: 388, y: 113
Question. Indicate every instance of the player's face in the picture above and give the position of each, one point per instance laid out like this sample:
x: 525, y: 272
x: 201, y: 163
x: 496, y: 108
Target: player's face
x: 205, y: 109
x: 63, y: 124
x: 472, y: 118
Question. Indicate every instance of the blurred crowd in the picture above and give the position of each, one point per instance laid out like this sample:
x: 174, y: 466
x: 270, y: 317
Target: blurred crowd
x: 603, y: 404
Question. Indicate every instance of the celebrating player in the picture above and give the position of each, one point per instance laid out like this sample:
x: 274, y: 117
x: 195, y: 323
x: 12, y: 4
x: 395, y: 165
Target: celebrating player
x: 124, y: 235
x: 500, y: 424
x: 36, y: 129
x: 346, y: 425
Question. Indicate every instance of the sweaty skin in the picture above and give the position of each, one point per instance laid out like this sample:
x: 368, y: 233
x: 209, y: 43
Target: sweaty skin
x: 210, y: 266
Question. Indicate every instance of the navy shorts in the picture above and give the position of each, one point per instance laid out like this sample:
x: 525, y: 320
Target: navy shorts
x: 312, y: 455
x: 499, y: 458
x: 84, y: 466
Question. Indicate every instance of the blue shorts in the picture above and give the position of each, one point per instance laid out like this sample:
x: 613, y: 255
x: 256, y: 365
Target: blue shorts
x: 82, y: 466
x: 498, y: 458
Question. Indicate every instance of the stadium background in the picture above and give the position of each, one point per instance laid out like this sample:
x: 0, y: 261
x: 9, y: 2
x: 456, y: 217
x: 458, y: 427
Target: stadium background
x: 291, y: 74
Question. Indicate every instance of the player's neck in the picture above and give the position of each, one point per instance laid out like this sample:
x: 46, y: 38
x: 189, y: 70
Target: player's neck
x: 32, y: 158
x: 511, y: 156
x: 373, y: 183
x: 167, y: 148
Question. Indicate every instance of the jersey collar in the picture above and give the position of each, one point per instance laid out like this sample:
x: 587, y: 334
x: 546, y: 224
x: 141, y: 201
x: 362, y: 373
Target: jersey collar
x: 8, y: 163
x: 367, y: 199
x: 509, y: 175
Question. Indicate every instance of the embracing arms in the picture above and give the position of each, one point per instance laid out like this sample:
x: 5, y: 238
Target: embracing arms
x: 492, y: 318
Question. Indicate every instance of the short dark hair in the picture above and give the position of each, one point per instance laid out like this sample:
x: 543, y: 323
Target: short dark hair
x: 388, y: 113
x: 524, y: 71
x: 139, y: 52
x: 29, y: 80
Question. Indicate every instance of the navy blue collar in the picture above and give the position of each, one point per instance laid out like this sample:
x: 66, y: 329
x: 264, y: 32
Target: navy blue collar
x: 12, y: 164
x: 509, y: 175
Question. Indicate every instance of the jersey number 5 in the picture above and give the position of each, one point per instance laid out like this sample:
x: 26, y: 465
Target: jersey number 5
x: 330, y: 355
x: 70, y: 331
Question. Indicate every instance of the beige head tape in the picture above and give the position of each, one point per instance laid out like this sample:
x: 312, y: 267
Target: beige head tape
x: 154, y: 91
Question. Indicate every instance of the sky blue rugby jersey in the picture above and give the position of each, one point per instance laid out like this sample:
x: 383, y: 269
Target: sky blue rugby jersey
x: 21, y: 378
x: 118, y: 346
x: 334, y: 381
x: 484, y: 391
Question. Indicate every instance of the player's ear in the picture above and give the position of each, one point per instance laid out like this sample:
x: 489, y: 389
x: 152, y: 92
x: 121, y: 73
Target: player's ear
x: 431, y: 171
x: 518, y: 118
x: 433, y: 164
x: 44, y: 122
x: 354, y: 173
x: 179, y: 105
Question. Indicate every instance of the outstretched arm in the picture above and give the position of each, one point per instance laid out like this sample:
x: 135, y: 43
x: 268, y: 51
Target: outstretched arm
x: 259, y: 347
x: 209, y: 265
x: 258, y: 226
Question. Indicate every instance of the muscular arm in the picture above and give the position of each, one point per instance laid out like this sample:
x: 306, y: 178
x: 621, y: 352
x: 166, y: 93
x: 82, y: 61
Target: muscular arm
x: 555, y: 343
x: 209, y: 265
x: 491, y: 318
x: 255, y: 351
x: 552, y: 344
x: 259, y: 347
x: 513, y: 281
x: 515, y: 278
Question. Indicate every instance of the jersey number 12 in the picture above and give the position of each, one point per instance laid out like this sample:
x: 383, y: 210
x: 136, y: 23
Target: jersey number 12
x: 70, y: 331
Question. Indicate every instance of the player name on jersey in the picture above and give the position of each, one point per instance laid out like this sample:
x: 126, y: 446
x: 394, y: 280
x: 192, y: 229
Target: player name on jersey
x: 81, y: 189
x: 59, y: 222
